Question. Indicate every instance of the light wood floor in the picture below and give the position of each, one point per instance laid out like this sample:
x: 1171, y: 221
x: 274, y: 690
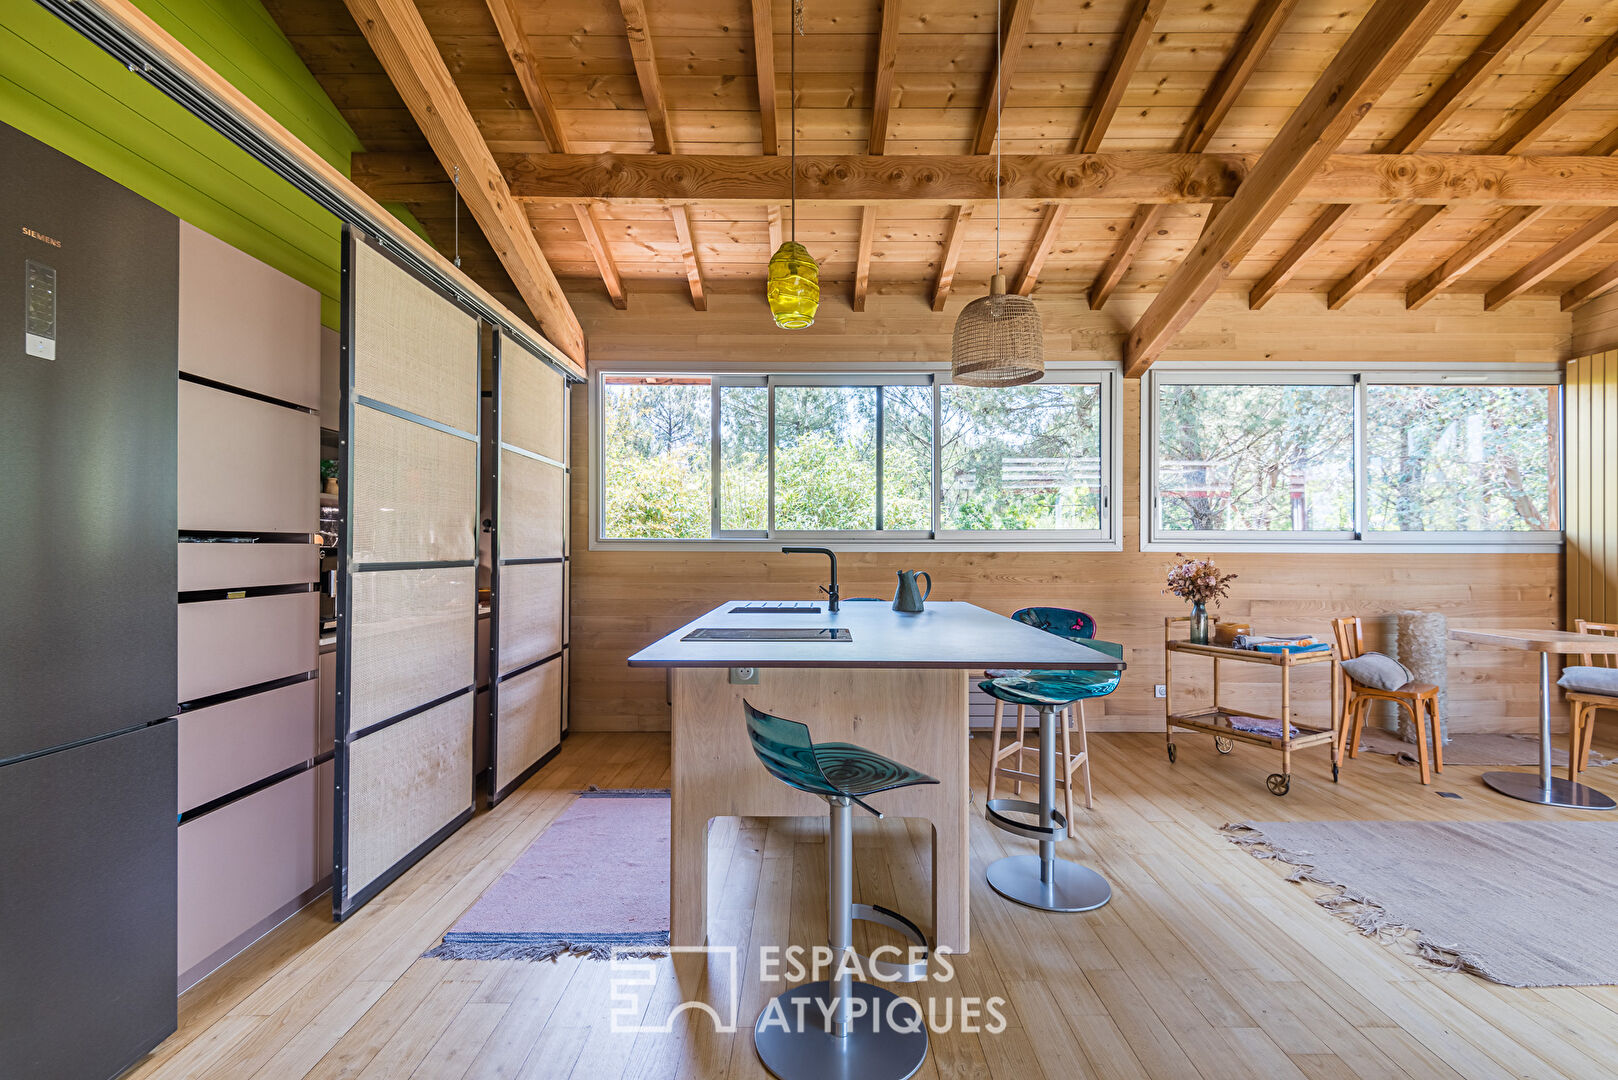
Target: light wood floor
x: 1207, y: 963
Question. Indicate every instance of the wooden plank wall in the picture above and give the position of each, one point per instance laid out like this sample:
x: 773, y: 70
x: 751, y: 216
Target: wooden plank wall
x: 1592, y: 488
x: 624, y: 599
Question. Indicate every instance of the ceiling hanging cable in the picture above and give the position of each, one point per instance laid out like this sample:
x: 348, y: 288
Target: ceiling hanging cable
x: 792, y: 283
x: 457, y: 179
x: 998, y: 338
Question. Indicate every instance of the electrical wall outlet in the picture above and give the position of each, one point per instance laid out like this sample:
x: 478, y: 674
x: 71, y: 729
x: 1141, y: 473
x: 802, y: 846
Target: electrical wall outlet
x: 744, y: 676
x: 1160, y: 690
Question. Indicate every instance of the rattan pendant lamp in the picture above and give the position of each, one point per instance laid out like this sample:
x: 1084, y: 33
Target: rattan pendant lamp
x: 793, y: 284
x: 998, y: 338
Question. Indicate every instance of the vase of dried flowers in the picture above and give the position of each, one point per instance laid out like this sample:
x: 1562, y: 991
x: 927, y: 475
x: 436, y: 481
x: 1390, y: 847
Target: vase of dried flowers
x: 1200, y: 582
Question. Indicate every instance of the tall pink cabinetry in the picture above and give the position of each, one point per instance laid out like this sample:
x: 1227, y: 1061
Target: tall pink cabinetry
x: 255, y: 776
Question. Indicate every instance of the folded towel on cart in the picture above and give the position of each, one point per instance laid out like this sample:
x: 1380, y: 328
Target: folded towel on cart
x: 1257, y: 726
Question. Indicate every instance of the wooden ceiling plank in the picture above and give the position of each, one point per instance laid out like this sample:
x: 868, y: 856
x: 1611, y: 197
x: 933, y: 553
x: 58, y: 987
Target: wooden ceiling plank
x: 862, y: 261
x: 1211, y: 110
x: 1049, y: 225
x: 1386, y: 40
x: 1377, y: 263
x: 1139, y: 21
x: 1480, y: 247
x: 407, y: 53
x: 773, y: 216
x: 1134, y: 176
x: 1553, y: 259
x: 764, y: 65
x: 1014, y: 31
x: 688, y: 252
x: 1462, y: 83
x: 887, y: 59
x: 959, y: 218
x: 1598, y: 283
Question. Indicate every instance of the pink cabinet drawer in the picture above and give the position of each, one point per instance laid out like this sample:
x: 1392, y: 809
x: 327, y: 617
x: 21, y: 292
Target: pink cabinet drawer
x: 243, y: 566
x: 225, y: 747
x: 246, y: 466
x: 229, y: 644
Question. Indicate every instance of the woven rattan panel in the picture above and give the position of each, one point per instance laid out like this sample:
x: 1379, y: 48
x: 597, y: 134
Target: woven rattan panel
x: 530, y: 613
x: 533, y: 405
x: 533, y: 508
x: 405, y: 783
x: 412, y: 348
x: 414, y: 492
x: 414, y: 638
x: 530, y: 723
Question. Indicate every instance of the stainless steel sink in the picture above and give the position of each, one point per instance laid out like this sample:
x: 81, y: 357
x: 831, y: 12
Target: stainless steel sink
x: 776, y: 607
x: 773, y: 633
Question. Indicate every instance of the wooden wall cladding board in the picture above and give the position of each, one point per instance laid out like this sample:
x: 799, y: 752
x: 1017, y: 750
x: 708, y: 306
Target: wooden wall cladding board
x: 532, y: 396
x: 406, y: 782
x: 533, y: 508
x: 248, y: 860
x: 243, y: 566
x: 412, y: 348
x: 1592, y: 489
x: 414, y: 494
x: 226, y: 747
x: 531, y: 613
x: 530, y: 722
x: 228, y: 644
x: 246, y: 466
x: 246, y: 324
x: 413, y: 640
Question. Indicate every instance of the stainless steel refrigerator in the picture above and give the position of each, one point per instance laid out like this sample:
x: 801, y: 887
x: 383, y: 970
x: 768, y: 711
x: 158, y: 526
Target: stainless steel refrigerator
x: 88, y: 326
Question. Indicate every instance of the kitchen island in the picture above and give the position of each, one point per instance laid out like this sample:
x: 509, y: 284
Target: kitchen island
x: 893, y: 682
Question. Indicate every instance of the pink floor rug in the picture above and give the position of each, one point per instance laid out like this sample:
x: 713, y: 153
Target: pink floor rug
x: 595, y: 883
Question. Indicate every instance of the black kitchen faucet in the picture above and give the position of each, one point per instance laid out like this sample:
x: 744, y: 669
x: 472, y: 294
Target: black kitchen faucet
x: 831, y: 592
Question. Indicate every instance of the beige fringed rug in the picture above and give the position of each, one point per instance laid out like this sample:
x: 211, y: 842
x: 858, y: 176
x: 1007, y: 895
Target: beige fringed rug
x: 1492, y: 749
x: 1523, y: 903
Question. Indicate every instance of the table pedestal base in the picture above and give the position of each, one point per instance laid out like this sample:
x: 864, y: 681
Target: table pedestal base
x: 1565, y: 793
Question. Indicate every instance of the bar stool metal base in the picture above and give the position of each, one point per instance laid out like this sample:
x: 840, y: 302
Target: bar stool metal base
x: 1564, y: 793
x: 1072, y: 888
x: 793, y: 1043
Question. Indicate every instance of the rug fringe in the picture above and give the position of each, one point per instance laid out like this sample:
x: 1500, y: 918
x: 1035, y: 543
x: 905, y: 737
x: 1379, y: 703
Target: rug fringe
x: 1361, y: 912
x: 594, y: 792
x: 542, y: 950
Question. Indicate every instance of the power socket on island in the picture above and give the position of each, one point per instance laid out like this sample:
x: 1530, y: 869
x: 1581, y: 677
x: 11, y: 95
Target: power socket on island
x: 744, y: 676
x: 1160, y: 691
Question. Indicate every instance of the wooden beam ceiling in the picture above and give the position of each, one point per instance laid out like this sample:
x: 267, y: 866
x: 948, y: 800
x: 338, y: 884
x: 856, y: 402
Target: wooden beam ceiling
x: 1261, y: 29
x: 862, y: 261
x: 1462, y: 83
x: 1502, y: 232
x: 1592, y: 233
x: 1134, y: 176
x: 406, y: 51
x: 764, y: 68
x: 1013, y: 32
x: 1136, y: 33
x: 952, y: 255
x: 1044, y: 240
x: 1598, y: 283
x: 1384, y: 43
x: 1530, y: 126
x: 882, y: 79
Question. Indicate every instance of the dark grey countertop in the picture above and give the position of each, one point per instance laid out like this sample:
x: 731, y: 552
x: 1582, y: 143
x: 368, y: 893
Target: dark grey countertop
x: 948, y: 634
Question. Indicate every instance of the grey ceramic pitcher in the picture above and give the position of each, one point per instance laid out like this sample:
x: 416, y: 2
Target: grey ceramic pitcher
x: 908, y: 597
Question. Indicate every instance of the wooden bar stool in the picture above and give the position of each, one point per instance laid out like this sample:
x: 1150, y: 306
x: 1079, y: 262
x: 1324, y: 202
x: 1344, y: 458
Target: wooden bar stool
x: 1418, y: 699
x: 1584, y: 698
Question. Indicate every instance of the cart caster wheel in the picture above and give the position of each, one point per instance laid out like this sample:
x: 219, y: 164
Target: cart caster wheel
x: 1222, y: 744
x: 1334, y: 772
x: 1279, y: 783
x: 1171, y: 753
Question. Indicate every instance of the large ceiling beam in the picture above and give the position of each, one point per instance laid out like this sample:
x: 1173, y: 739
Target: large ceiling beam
x: 1528, y: 127
x: 1386, y: 40
x: 1127, y: 176
x: 1139, y: 21
x: 887, y: 60
x: 1211, y: 111
x: 764, y: 68
x: 1462, y: 83
x: 407, y: 53
x: 508, y: 23
x: 1553, y: 259
x: 639, y: 33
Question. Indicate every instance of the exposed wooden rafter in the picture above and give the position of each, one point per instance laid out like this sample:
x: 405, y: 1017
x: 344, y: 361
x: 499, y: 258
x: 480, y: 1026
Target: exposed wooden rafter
x: 1462, y: 83
x: 1598, y: 283
x: 1386, y: 40
x: 887, y: 60
x: 1480, y: 247
x: 407, y: 53
x: 1139, y: 21
x: 952, y: 255
x: 1044, y: 240
x: 764, y: 67
x: 1013, y: 32
x: 508, y: 23
x: 1528, y: 127
x: 1592, y: 233
x: 644, y: 53
x: 862, y: 262
x: 1215, y: 104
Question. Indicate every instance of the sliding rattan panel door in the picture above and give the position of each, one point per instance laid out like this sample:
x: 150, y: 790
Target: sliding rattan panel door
x: 530, y: 550
x: 407, y: 590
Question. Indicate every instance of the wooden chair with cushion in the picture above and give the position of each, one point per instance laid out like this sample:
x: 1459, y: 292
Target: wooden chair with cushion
x: 1584, y: 696
x: 1418, y: 699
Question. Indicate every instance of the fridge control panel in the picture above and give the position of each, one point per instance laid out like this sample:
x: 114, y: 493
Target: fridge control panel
x: 39, y: 329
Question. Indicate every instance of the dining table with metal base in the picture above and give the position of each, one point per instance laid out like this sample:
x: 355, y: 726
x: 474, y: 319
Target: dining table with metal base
x: 1542, y: 787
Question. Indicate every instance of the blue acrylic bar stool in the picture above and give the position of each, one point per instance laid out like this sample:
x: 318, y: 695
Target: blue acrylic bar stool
x: 1044, y: 881
x: 840, y: 1027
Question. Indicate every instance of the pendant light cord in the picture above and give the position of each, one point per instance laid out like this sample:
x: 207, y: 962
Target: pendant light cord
x: 998, y: 64
x: 792, y: 101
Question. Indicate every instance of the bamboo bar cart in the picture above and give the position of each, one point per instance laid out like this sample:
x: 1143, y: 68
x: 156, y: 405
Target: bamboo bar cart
x: 1215, y: 720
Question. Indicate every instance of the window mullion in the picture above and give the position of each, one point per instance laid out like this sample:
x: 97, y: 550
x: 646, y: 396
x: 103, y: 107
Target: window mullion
x: 881, y: 418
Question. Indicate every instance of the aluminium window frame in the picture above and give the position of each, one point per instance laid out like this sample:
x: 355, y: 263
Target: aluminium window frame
x: 1361, y: 377
x: 1109, y: 537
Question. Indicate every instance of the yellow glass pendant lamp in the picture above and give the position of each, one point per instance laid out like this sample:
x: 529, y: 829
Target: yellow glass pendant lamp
x: 793, y: 284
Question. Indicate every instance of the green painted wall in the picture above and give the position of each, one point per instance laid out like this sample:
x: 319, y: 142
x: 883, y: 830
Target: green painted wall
x: 64, y: 91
